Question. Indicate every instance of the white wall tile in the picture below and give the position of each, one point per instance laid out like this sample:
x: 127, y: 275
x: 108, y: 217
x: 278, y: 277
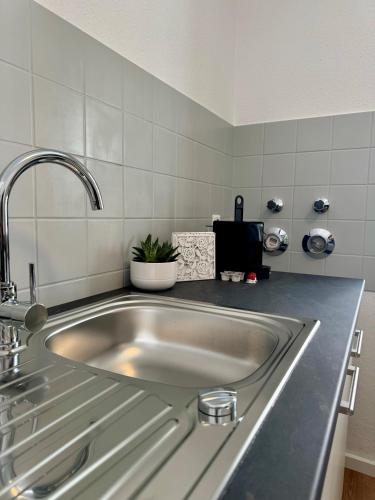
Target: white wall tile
x: 247, y: 171
x: 105, y: 246
x: 135, y: 230
x: 222, y: 202
x: 109, y: 178
x: 58, y: 117
x: 57, y: 48
x: 372, y: 167
x: 103, y: 73
x: 370, y: 238
x: 280, y: 137
x: 227, y: 166
x: 204, y: 163
x: 248, y: 140
x: 352, y: 131
x: 228, y: 203
x: 202, y: 200
x: 277, y: 262
x: 203, y: 130
x: 302, y: 263
x: 105, y: 282
x: 278, y: 170
x: 164, y: 104
x: 138, y: 193
x: 163, y: 229
x: 370, y: 202
x: 369, y: 272
x: 103, y: 131
x: 165, y: 151
x: 67, y: 258
x: 349, y: 236
x: 347, y: 202
x: 312, y: 168
x: 164, y: 196
x: 138, y: 90
x: 186, y: 119
x: 22, y: 250
x: 185, y: 198
x: 185, y: 158
x: 138, y: 142
x: 304, y: 197
x: 59, y: 192
x: 350, y: 166
x: 224, y: 133
x: 15, y: 32
x: 221, y: 169
x: 314, y: 134
x: 345, y: 266
x: 67, y: 291
x: 252, y: 202
x: 185, y: 225
x: 15, y: 104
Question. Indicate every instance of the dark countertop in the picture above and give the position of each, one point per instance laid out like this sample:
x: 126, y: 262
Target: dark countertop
x: 288, y: 458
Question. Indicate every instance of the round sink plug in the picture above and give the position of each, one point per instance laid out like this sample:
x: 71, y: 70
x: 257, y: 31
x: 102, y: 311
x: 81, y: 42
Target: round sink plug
x: 217, y: 406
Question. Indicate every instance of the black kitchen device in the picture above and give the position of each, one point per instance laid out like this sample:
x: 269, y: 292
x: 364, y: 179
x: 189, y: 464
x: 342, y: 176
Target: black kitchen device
x: 239, y: 244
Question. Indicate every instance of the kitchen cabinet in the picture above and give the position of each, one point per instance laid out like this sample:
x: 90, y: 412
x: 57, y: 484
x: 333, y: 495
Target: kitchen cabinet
x: 333, y: 483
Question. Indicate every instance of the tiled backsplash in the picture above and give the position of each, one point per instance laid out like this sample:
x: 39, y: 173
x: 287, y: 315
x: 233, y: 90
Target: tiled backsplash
x: 162, y: 161
x: 300, y: 160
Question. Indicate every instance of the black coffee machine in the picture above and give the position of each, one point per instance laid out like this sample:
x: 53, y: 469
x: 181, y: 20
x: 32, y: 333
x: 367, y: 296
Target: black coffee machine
x: 239, y: 244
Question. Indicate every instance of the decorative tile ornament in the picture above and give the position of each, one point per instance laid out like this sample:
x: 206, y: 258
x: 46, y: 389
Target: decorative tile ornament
x: 197, y: 259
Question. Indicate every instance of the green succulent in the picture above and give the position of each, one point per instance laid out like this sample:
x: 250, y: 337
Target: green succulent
x: 152, y: 251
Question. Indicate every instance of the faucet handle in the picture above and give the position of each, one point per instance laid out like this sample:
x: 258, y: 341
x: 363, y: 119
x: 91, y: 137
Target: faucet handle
x: 32, y: 283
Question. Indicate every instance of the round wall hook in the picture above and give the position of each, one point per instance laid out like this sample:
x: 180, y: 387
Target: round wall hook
x: 321, y: 205
x: 275, y: 241
x: 275, y: 205
x: 318, y: 243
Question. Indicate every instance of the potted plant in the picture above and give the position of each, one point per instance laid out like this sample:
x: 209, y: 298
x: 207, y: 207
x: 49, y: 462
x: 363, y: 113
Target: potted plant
x: 154, y: 266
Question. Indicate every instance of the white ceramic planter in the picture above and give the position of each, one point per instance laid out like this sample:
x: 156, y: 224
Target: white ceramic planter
x: 153, y: 276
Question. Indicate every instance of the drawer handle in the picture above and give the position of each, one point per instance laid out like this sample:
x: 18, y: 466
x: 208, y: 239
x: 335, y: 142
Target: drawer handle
x: 347, y: 407
x: 356, y: 349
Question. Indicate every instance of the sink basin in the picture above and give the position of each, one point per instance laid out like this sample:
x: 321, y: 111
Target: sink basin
x: 145, y: 359
x: 160, y: 342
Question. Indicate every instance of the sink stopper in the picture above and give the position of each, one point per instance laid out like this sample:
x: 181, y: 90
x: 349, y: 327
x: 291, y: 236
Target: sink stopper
x: 217, y: 406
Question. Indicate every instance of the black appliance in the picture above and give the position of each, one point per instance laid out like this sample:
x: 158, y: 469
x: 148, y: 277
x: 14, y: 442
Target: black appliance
x: 239, y: 246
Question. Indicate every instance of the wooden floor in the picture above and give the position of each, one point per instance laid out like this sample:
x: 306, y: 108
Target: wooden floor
x: 358, y: 486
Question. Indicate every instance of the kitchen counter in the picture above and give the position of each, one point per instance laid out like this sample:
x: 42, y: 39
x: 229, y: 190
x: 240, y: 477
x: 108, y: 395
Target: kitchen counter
x: 288, y: 457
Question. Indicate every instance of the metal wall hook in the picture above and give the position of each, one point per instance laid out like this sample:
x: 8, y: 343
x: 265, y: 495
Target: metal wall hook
x: 275, y: 205
x: 321, y: 205
x: 318, y: 243
x: 275, y: 241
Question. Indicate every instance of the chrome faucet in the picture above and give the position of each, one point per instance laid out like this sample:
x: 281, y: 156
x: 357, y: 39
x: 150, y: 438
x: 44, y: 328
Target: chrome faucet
x: 29, y: 315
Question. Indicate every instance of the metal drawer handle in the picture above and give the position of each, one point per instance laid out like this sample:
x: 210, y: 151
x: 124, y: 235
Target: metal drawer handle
x: 347, y: 407
x: 356, y: 350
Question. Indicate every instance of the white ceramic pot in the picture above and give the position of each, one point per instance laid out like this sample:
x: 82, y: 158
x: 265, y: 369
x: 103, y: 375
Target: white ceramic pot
x: 153, y: 276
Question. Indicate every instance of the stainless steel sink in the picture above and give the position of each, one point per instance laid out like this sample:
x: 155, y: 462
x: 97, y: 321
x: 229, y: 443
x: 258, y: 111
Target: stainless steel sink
x: 113, y: 391
x: 163, y: 342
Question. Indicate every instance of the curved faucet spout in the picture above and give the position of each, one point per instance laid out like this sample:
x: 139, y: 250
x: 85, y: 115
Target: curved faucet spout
x: 7, y: 181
